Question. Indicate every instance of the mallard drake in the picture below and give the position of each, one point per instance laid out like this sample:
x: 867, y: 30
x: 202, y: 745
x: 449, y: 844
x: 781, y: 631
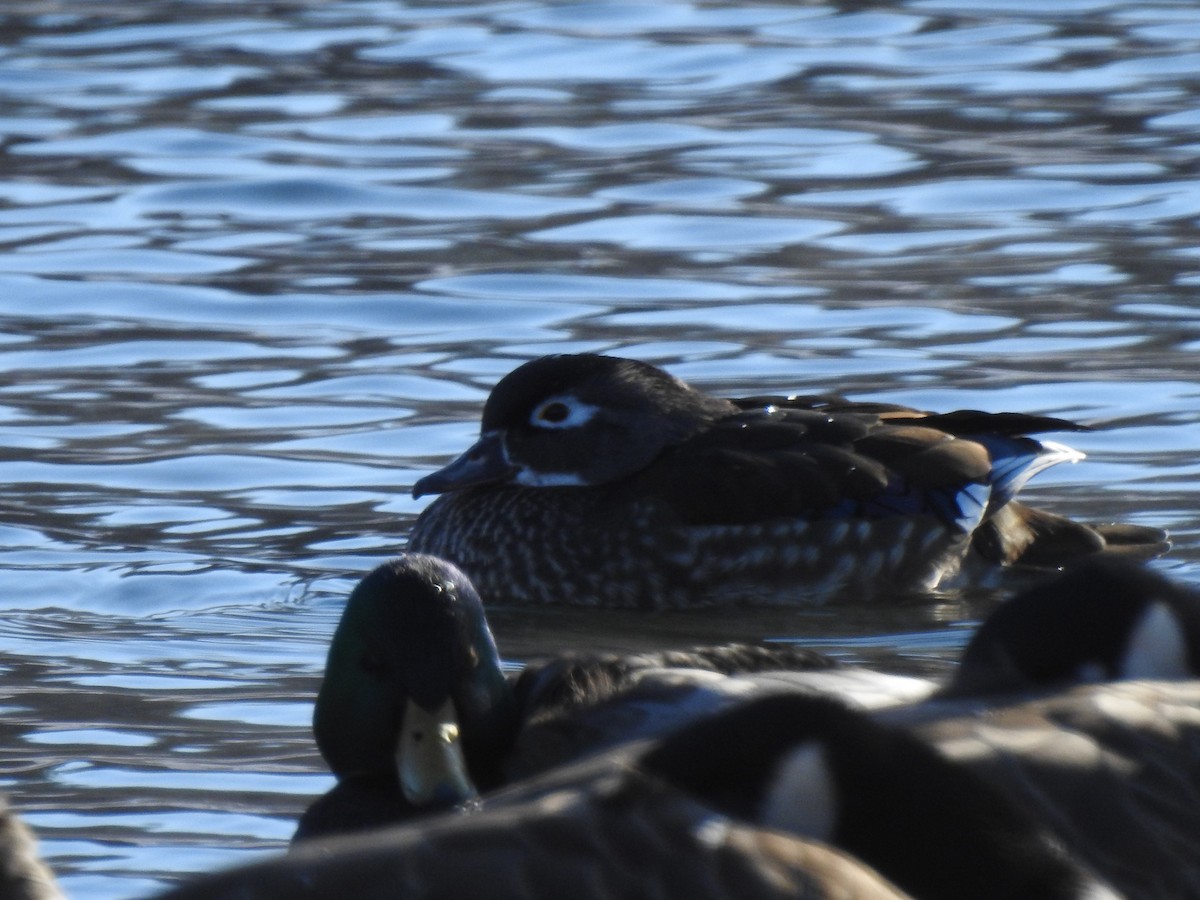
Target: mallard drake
x: 701, y: 815
x: 607, y: 482
x: 415, y: 712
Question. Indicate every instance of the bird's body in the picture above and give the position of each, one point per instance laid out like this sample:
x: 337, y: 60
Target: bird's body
x: 415, y: 714
x: 786, y: 796
x: 748, y: 782
x: 1105, y: 619
x: 616, y: 835
x: 606, y: 482
x: 1112, y: 769
x: 1102, y: 777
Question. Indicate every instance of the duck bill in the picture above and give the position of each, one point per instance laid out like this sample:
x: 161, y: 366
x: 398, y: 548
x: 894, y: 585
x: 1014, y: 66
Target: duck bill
x: 429, y: 757
x: 484, y: 463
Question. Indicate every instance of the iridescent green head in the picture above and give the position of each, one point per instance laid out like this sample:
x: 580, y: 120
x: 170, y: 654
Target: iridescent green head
x: 413, y: 684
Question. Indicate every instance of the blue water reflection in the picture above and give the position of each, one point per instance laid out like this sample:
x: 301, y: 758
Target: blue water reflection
x: 261, y: 269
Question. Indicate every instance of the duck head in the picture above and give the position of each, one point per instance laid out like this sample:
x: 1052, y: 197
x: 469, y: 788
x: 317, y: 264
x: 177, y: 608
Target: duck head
x: 413, y: 685
x: 1104, y: 619
x: 577, y: 419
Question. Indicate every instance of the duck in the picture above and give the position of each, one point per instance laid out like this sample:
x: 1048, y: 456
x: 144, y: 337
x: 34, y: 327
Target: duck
x: 1077, y: 700
x: 810, y: 799
x: 610, y: 834
x: 1102, y: 778
x: 416, y: 714
x: 605, y: 481
x: 1111, y: 768
x: 1066, y: 790
x: 1102, y: 619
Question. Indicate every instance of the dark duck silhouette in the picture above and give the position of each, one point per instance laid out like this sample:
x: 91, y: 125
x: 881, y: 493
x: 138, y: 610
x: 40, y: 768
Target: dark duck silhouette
x: 416, y: 714
x: 608, y: 482
x: 1034, y: 787
x: 1103, y: 619
x: 783, y: 797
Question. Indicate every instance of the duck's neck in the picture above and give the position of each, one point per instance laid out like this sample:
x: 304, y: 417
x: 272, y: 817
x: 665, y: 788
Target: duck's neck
x: 490, y: 716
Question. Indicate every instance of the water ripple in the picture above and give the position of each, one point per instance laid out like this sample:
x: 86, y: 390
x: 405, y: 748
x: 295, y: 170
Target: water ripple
x: 262, y: 270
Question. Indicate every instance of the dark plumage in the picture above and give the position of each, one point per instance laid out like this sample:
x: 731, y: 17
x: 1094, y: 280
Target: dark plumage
x: 415, y: 713
x: 782, y: 797
x: 413, y: 658
x: 1111, y: 769
x: 608, y: 835
x: 1104, y: 619
x: 1016, y: 797
x: 606, y: 481
x: 812, y: 767
x: 773, y: 791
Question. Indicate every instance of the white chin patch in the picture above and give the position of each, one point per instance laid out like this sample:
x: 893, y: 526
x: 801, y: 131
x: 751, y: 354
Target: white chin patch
x: 1157, y: 646
x: 529, y: 478
x: 802, y: 798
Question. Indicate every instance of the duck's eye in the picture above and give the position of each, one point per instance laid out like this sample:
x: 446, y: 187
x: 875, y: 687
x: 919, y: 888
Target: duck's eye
x: 562, y: 412
x: 553, y: 412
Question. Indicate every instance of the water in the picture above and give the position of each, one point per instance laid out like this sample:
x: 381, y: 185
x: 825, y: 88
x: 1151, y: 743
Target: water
x: 260, y: 269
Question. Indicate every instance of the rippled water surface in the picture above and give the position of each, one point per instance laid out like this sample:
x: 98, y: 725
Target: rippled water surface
x: 260, y: 269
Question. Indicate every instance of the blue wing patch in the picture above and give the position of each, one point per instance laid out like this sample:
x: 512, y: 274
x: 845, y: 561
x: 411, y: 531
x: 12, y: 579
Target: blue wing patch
x: 965, y: 506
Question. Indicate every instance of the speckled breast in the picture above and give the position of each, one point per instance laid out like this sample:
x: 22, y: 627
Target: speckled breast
x: 582, y: 546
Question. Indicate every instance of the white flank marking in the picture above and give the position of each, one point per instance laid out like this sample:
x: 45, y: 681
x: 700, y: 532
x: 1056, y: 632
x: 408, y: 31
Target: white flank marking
x: 1157, y: 647
x: 802, y: 798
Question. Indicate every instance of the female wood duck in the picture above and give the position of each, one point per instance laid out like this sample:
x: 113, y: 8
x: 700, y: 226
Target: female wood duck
x: 416, y: 714
x: 608, y: 482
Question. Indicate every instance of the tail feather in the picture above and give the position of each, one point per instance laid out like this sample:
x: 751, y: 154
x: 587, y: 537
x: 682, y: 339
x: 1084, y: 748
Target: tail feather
x: 1139, y: 542
x: 1021, y: 535
x: 1016, y: 460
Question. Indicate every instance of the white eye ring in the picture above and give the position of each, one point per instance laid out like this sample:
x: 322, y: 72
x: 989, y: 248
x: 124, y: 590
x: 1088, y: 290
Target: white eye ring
x: 561, y: 412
